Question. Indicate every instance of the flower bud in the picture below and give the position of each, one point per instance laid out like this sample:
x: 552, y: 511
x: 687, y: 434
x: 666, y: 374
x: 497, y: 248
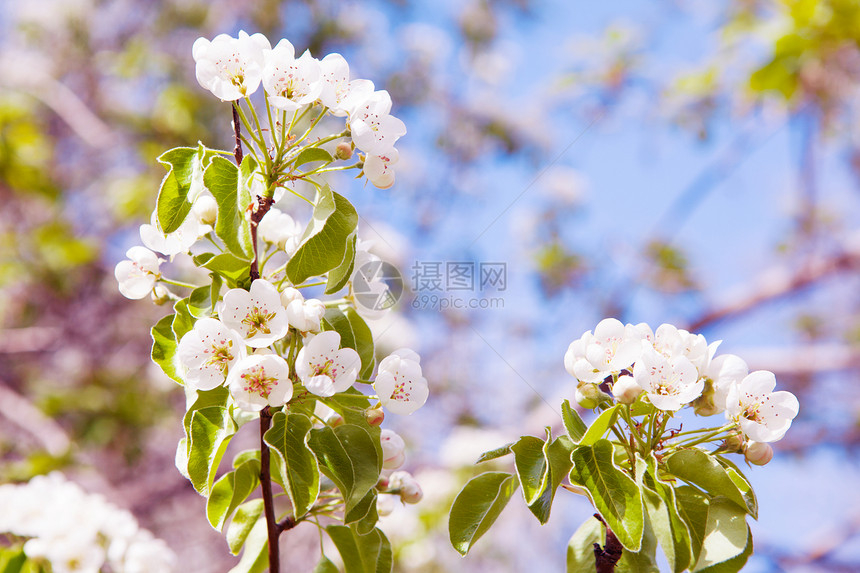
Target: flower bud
x: 704, y: 405
x: 385, y: 504
x: 406, y: 486
x: 206, y: 210
x: 343, y: 150
x: 626, y: 390
x: 588, y: 396
x: 160, y: 295
x: 393, y: 447
x: 374, y: 416
x: 734, y: 444
x: 758, y: 453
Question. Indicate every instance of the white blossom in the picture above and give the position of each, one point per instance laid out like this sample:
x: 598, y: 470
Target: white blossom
x: 179, y: 241
x: 209, y: 351
x: 761, y: 413
x: 279, y: 228
x: 138, y: 274
x: 291, y: 82
x: 626, y: 390
x: 257, y: 315
x: 260, y: 380
x: 231, y: 68
x: 613, y: 348
x: 669, y: 383
x: 373, y: 129
x: 723, y: 372
x: 337, y: 89
x: 303, y: 315
x: 379, y: 169
x: 399, y: 383
x: 324, y: 368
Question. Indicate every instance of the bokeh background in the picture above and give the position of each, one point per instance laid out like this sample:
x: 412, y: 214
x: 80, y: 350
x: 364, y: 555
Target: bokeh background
x: 685, y: 161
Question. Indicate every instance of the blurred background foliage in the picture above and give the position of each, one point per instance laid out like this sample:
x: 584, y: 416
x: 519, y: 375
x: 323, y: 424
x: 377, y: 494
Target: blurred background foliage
x: 686, y: 161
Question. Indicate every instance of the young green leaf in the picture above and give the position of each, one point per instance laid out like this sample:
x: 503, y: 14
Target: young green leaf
x: 364, y: 515
x: 312, y: 154
x: 255, y: 557
x: 532, y: 467
x: 324, y: 565
x: 200, y: 301
x: 743, y: 484
x: 699, y: 468
x: 693, y: 508
x: 580, y: 548
x: 247, y: 516
x: 574, y: 425
x: 338, y: 277
x: 229, y: 185
x: 477, y: 507
x: 354, y: 333
x: 210, y: 430
x: 615, y: 495
x: 183, y: 321
x: 669, y: 528
x: 327, y: 237
x: 735, y: 564
x: 164, y: 349
x: 234, y: 270
x: 369, y: 553
x: 287, y: 437
x: 726, y: 534
x: 173, y: 204
x: 230, y: 490
x: 599, y: 427
x: 348, y: 457
x: 495, y: 454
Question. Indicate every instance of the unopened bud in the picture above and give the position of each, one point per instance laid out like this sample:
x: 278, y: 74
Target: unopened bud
x: 704, y: 405
x: 626, y: 390
x: 374, y: 416
x: 160, y: 295
x: 758, y: 453
x: 393, y: 446
x: 206, y: 209
x: 404, y: 484
x: 343, y: 150
x: 588, y: 396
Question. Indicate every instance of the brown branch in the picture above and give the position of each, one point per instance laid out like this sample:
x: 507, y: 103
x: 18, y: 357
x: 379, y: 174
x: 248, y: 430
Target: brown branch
x: 779, y: 283
x: 273, y: 527
x: 607, y: 557
x: 263, y: 206
x: 237, y: 150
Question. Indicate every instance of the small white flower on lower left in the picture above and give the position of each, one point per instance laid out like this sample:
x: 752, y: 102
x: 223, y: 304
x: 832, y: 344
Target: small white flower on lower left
x: 260, y: 380
x: 138, y: 274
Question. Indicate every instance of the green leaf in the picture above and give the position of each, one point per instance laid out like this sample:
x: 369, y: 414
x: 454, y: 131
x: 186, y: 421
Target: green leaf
x: 164, y: 349
x: 477, y: 507
x: 230, y: 490
x: 297, y: 463
x: 662, y: 509
x: 369, y: 553
x: 644, y: 560
x: 734, y: 564
x: 615, y: 495
x: 532, y: 467
x: 255, y: 557
x: 200, y: 301
x: 495, y: 454
x: 726, y: 534
x: 574, y: 425
x: 12, y: 559
x: 348, y: 457
x: 325, y: 566
x: 580, y: 548
x: 364, y: 515
x: 699, y: 468
x: 743, y: 484
x: 354, y: 333
x: 338, y: 277
x: 693, y: 509
x: 183, y: 321
x: 172, y: 204
x: 326, y: 239
x: 235, y: 271
x: 229, y: 185
x: 210, y: 430
x: 312, y: 154
x: 598, y: 429
x: 247, y: 516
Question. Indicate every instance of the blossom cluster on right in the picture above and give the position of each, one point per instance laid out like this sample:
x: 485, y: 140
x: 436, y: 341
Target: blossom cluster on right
x: 672, y: 368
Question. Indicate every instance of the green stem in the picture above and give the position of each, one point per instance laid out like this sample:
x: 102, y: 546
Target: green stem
x: 177, y: 283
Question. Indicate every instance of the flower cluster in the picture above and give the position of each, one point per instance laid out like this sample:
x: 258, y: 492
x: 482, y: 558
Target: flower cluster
x: 672, y: 368
x: 233, y: 68
x: 77, y: 531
